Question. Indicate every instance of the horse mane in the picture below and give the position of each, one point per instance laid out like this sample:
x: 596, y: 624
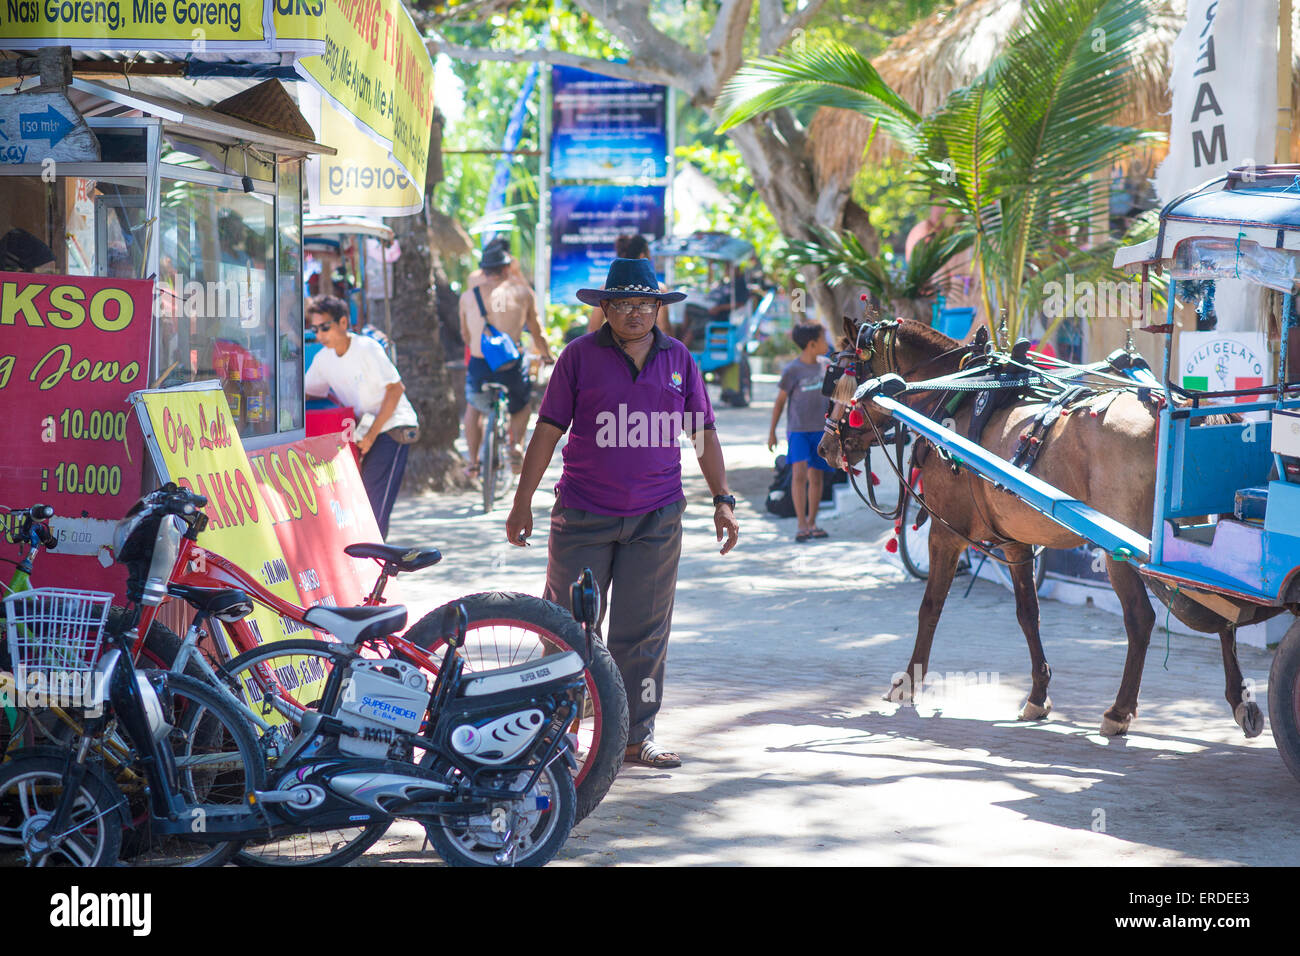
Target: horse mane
x: 917, y: 335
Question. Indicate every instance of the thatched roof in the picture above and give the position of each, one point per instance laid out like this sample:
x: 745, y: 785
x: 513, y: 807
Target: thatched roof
x: 950, y: 49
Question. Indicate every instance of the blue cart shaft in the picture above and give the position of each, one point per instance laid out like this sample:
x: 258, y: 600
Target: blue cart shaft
x: 1070, y: 513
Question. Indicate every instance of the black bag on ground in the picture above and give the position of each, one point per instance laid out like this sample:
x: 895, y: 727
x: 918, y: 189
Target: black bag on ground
x: 779, y: 501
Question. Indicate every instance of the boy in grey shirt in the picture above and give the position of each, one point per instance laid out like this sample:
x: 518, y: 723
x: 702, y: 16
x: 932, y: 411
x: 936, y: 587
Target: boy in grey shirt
x: 801, y: 388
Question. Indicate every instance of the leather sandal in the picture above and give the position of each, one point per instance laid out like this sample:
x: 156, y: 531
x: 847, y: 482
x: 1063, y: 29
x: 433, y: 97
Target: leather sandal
x: 650, y: 754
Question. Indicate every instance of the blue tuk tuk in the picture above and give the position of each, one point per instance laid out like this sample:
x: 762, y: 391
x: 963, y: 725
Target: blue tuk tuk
x: 719, y: 320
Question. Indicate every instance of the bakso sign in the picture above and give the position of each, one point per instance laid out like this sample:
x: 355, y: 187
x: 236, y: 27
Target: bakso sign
x: 71, y: 350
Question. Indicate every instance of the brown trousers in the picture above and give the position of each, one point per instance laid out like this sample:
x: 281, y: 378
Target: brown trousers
x: 636, y: 557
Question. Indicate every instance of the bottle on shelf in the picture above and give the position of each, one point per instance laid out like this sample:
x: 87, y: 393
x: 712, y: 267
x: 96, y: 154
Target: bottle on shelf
x: 234, y: 389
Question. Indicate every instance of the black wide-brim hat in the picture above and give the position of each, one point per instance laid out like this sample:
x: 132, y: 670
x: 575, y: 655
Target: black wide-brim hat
x: 629, y: 279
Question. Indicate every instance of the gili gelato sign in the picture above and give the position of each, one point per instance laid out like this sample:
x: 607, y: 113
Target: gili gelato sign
x: 1224, y: 362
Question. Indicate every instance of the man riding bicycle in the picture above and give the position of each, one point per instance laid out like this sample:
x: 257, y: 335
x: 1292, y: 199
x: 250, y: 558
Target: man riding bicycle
x: 505, y: 301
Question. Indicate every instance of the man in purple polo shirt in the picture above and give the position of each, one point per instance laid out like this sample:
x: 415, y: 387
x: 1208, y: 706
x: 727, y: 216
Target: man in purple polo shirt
x: 624, y: 394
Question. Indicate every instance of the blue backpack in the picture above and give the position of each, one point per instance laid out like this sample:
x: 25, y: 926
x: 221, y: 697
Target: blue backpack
x: 499, y: 349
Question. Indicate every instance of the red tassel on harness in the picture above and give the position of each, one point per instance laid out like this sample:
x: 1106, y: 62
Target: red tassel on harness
x: 856, y: 418
x: 874, y: 479
x: 892, y: 545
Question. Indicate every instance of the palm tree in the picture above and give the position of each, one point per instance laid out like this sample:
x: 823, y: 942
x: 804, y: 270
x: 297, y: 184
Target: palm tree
x: 1017, y: 153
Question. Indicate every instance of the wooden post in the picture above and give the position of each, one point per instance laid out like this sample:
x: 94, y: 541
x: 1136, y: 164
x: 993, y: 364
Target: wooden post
x: 1282, y: 142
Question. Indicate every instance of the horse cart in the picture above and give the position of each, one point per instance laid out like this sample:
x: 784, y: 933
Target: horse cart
x: 718, y: 321
x: 1222, y: 546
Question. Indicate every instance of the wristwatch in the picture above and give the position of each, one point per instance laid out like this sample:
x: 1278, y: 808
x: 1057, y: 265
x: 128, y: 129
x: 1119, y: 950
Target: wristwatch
x: 728, y: 500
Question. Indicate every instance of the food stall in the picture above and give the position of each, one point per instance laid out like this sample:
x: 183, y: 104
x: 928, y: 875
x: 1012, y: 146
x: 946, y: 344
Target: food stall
x: 152, y: 186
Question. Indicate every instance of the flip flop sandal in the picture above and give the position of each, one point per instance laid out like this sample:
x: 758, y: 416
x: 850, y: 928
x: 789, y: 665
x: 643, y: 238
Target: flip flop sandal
x: 803, y: 536
x: 818, y: 533
x: 650, y: 754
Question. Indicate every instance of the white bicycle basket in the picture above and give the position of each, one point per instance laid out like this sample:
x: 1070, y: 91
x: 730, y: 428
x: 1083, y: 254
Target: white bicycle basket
x: 55, y: 633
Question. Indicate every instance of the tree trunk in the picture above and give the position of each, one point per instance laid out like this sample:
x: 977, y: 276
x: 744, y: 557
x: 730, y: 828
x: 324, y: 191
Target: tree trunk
x: 784, y: 176
x: 421, y: 359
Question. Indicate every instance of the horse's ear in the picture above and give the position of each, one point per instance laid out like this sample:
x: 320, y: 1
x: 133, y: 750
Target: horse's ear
x: 981, y: 337
x: 850, y: 329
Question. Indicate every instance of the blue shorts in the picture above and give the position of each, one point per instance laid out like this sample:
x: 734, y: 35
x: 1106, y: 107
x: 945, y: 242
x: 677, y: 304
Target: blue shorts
x: 518, y: 387
x: 803, y: 447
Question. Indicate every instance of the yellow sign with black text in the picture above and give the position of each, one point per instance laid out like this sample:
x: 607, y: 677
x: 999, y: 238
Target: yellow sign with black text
x: 167, y: 26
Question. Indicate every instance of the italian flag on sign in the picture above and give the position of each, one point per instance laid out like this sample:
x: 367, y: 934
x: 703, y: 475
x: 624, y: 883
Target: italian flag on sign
x: 1201, y: 383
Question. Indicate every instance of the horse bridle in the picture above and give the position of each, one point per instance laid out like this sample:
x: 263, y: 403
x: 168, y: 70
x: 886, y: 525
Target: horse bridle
x: 857, y: 362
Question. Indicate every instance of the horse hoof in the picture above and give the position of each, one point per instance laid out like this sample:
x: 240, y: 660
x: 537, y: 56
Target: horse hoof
x: 1114, y: 728
x: 899, y: 693
x: 1249, y: 718
x: 1032, y: 711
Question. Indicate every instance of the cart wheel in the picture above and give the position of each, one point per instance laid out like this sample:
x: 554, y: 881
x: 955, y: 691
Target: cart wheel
x: 1284, y: 699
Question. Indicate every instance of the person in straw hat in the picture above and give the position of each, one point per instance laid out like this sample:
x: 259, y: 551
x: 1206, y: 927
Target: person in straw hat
x: 624, y: 393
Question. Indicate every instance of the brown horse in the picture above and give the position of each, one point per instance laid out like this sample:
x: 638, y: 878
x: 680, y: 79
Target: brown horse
x: 1106, y: 461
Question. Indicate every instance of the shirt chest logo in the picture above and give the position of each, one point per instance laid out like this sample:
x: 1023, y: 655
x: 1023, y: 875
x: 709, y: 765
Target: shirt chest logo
x: 676, y: 380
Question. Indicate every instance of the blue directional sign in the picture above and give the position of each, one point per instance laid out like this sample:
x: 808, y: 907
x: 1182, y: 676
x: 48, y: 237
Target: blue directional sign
x: 37, y: 128
x: 50, y: 126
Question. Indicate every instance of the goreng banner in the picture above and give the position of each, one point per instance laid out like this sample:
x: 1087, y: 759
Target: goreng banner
x: 585, y: 221
x: 167, y: 26
x: 364, y: 56
x: 361, y: 179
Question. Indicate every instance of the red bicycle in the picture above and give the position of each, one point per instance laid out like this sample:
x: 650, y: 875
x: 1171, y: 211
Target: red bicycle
x: 276, y: 681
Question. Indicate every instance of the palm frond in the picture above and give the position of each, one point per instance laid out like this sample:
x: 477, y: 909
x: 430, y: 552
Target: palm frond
x: 827, y: 75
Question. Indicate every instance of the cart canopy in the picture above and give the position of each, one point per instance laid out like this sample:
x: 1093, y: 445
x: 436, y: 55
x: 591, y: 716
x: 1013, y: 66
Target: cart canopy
x: 1243, y: 225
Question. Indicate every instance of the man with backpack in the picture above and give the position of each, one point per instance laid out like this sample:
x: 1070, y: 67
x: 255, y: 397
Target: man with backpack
x: 495, y: 312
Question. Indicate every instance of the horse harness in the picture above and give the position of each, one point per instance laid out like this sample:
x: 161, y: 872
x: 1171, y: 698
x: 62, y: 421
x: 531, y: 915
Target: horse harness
x: 995, y: 382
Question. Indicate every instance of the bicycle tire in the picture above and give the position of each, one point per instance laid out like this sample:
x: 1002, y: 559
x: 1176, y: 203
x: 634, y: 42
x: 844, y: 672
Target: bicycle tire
x: 604, y: 732
x: 204, y: 727
x: 39, y: 773
x: 488, y: 468
x: 474, y: 841
x: 913, y: 541
x: 331, y: 846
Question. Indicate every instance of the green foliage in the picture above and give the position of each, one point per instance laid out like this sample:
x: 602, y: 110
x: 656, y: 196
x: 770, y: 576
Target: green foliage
x: 1015, y: 154
x: 840, y: 258
x: 742, y: 212
x: 887, y: 191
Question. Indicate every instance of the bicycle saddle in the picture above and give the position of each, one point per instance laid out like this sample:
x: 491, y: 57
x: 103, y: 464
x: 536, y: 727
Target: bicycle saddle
x: 403, y: 559
x: 225, y: 604
x: 352, y: 625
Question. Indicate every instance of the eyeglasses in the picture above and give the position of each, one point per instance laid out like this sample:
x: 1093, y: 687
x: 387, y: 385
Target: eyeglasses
x: 627, y: 307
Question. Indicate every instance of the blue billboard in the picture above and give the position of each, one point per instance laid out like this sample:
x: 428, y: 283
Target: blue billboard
x: 604, y: 128
x: 585, y: 221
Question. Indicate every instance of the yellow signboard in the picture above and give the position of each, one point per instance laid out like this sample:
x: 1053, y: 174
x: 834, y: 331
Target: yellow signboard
x: 194, y: 443
x: 376, y: 69
x: 361, y: 179
x: 167, y: 26
x: 365, y: 56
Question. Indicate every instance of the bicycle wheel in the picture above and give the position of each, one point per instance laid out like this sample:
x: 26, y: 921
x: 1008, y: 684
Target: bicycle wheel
x: 488, y: 468
x: 914, y: 541
x: 545, y: 825
x: 218, y: 762
x: 31, y: 787
x: 284, y: 668
x: 507, y: 628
